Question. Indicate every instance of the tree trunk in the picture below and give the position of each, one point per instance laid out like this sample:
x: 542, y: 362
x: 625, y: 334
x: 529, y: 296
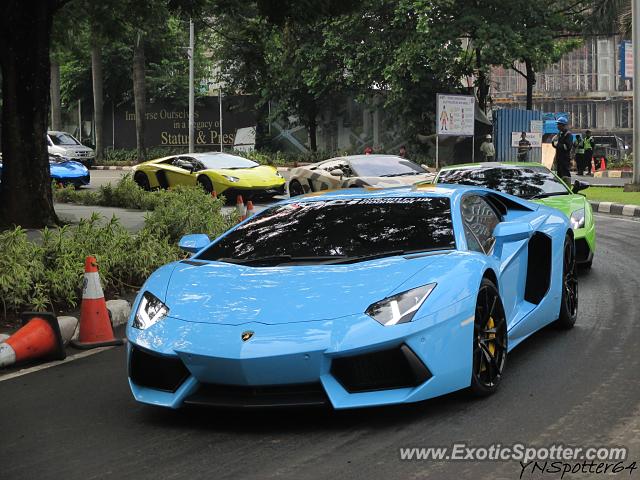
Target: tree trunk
x: 482, y: 82
x: 531, y: 81
x: 25, y: 36
x: 98, y: 102
x: 139, y: 94
x: 56, y: 116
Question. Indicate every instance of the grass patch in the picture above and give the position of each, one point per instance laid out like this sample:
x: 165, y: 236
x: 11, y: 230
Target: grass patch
x: 616, y: 195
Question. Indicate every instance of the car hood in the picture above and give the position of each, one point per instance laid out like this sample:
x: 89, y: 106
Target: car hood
x: 255, y: 175
x: 223, y: 293
x: 68, y: 168
x: 383, y: 182
x: 71, y: 148
x: 567, y: 204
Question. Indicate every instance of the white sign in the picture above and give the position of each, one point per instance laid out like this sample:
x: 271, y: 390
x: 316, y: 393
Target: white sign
x: 534, y: 138
x: 537, y: 126
x: 455, y: 115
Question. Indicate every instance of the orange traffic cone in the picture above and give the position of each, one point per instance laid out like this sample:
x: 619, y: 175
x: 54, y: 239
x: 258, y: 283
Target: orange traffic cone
x: 39, y: 337
x: 250, y: 210
x: 603, y: 164
x: 240, y: 208
x: 95, y: 325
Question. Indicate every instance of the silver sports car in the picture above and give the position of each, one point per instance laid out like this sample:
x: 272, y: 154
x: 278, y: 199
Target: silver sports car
x: 357, y: 171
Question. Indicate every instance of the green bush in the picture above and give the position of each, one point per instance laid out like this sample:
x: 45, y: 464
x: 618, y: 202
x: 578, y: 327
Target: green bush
x: 185, y: 210
x: 47, y: 274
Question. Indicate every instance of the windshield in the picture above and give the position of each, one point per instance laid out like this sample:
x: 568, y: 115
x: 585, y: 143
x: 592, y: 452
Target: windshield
x: 362, y: 227
x: 223, y: 160
x: 63, y: 139
x: 384, y: 166
x: 525, y: 182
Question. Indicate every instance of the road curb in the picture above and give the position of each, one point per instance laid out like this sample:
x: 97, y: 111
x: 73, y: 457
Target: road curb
x: 616, y: 209
x: 613, y: 174
x: 111, y: 167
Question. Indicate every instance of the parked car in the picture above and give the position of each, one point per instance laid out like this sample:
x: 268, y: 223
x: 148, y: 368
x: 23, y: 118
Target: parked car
x: 356, y: 171
x: 65, y: 145
x: 354, y: 298
x: 65, y: 171
x: 609, y: 146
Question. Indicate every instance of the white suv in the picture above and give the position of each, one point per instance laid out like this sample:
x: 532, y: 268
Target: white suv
x: 64, y: 144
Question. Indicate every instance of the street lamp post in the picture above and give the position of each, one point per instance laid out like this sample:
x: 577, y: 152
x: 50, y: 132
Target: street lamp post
x: 635, y: 11
x: 191, y: 94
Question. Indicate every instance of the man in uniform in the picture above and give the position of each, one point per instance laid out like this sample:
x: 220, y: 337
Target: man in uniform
x: 588, y: 151
x: 563, y: 143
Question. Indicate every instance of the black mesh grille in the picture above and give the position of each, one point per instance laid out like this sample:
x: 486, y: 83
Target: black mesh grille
x: 155, y: 371
x: 311, y: 394
x: 582, y: 250
x: 386, y: 369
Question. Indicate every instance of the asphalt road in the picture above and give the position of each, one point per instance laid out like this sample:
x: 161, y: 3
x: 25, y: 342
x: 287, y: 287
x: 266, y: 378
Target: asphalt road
x: 578, y: 387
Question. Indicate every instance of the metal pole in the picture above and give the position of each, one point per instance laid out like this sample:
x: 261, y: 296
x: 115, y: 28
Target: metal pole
x: 80, y: 120
x: 635, y: 11
x: 220, y: 103
x: 191, y: 94
x: 113, y: 126
x: 473, y: 149
x: 437, y: 136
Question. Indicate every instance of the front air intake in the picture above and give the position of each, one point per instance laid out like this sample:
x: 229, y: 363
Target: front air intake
x: 156, y: 371
x: 382, y: 370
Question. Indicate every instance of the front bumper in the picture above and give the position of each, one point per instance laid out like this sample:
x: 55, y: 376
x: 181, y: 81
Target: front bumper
x: 250, y: 193
x: 75, y: 181
x: 348, y: 363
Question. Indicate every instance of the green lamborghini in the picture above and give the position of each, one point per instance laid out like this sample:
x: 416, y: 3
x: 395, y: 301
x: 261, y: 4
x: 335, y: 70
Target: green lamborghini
x: 535, y: 182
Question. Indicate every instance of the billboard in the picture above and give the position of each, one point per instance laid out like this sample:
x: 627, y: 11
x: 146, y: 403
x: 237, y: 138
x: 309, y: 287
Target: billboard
x: 455, y: 115
x: 168, y: 125
x: 626, y: 59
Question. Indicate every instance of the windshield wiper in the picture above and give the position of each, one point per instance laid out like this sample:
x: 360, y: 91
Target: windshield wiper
x: 279, y: 259
x: 544, y: 195
x: 388, y: 253
x: 400, y: 174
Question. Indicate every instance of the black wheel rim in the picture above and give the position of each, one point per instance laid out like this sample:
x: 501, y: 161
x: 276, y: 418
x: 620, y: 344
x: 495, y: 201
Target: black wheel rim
x: 570, y: 280
x: 490, y: 338
x: 295, y: 189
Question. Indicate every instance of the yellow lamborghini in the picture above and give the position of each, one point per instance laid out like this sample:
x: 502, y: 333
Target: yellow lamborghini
x: 214, y: 171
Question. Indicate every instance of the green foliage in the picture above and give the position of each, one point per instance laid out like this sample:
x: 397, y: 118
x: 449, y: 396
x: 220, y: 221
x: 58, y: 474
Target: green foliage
x: 184, y: 210
x: 47, y: 273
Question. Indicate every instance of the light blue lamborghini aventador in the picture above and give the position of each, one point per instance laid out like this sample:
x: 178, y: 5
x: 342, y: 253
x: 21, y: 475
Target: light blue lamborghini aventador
x: 353, y: 299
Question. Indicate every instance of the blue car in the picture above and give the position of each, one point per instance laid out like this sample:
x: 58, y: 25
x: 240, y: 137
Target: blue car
x: 354, y: 298
x: 65, y: 172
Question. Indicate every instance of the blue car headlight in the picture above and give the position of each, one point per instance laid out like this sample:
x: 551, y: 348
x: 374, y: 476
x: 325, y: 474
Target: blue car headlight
x: 577, y: 219
x: 150, y: 311
x: 399, y: 308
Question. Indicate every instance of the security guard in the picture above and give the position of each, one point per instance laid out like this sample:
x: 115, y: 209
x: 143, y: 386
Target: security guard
x: 588, y: 151
x: 579, y: 144
x: 563, y: 143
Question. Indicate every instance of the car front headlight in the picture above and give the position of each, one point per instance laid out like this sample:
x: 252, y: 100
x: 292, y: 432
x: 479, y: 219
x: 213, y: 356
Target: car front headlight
x: 577, y: 219
x: 150, y: 311
x: 231, y: 179
x: 399, y: 308
x: 278, y: 174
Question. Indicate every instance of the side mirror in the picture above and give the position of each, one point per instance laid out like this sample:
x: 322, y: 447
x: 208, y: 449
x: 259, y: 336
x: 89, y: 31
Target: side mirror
x: 337, y: 172
x: 579, y: 185
x: 512, y: 231
x: 194, y: 243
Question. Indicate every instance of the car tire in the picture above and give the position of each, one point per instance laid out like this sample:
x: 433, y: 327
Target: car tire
x: 489, y: 350
x: 205, y: 183
x: 295, y: 188
x: 142, y: 180
x: 569, y: 301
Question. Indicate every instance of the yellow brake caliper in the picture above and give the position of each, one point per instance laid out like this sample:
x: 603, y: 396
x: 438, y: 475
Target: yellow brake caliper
x: 490, y: 345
